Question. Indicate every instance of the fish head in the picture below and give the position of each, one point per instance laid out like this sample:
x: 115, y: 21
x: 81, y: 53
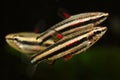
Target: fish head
x: 26, y: 42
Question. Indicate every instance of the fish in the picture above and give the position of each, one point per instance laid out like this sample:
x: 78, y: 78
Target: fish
x: 69, y: 37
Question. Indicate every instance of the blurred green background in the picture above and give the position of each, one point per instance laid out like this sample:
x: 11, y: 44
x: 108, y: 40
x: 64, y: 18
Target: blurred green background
x: 100, y: 62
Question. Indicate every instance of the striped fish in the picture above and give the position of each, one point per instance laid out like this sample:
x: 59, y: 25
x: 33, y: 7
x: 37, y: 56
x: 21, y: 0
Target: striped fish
x: 69, y: 37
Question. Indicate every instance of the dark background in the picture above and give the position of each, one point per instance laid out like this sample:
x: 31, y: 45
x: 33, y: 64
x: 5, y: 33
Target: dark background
x: 100, y: 62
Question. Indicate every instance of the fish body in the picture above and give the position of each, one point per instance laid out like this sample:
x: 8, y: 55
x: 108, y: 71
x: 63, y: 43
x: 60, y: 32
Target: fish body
x: 69, y: 37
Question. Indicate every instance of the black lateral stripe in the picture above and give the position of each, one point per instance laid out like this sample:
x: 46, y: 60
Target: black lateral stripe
x: 70, y: 51
x: 81, y: 24
x: 60, y: 50
x: 26, y: 42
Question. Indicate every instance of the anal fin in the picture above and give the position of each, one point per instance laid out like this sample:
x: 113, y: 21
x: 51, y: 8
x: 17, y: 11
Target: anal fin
x: 67, y: 57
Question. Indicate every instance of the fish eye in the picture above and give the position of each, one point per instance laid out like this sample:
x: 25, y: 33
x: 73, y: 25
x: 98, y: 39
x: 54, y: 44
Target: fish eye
x: 97, y: 32
x: 15, y: 39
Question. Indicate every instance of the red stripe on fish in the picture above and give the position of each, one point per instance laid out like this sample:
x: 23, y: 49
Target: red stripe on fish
x: 75, y: 42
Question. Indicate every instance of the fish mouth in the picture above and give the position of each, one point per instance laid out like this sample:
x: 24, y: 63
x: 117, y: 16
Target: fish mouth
x: 12, y: 43
x: 10, y: 40
x: 9, y: 37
